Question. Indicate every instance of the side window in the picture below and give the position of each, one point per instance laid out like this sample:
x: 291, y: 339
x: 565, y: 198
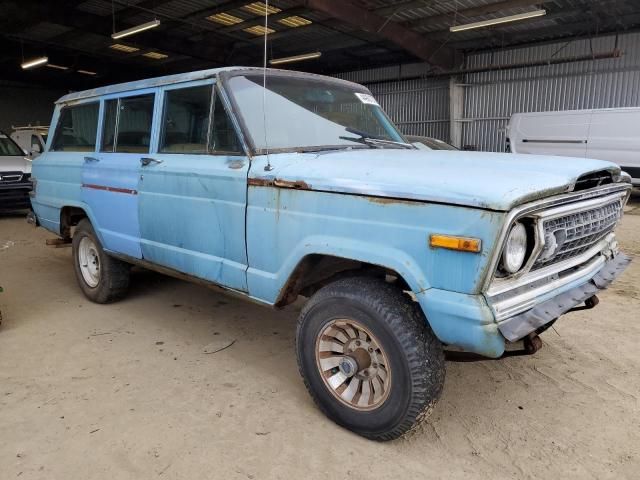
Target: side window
x: 77, y: 129
x: 185, y: 121
x: 127, y: 124
x: 223, y: 135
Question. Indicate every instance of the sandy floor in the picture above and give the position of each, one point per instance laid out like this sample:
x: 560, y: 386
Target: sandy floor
x: 127, y: 391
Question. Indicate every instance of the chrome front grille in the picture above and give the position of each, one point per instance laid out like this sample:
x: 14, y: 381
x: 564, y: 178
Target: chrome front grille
x: 573, y: 234
x: 10, y: 177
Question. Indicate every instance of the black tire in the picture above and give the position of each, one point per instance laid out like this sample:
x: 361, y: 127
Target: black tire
x: 413, y: 352
x: 113, y: 276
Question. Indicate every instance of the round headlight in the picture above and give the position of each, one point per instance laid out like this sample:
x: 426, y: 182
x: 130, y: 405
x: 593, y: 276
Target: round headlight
x: 515, y: 249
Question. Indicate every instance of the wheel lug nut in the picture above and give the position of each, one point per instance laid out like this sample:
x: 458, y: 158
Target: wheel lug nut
x: 358, y: 343
x: 370, y: 350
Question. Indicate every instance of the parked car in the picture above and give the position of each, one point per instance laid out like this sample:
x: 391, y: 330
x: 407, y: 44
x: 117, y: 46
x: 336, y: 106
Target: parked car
x: 429, y: 143
x: 607, y: 134
x: 399, y: 251
x: 15, y: 176
x: 31, y: 139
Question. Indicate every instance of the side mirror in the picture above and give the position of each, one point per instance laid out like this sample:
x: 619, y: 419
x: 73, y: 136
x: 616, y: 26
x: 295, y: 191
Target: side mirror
x: 35, y: 148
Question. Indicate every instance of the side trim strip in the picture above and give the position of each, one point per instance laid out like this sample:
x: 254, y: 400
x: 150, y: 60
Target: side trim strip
x: 531, y: 140
x: 110, y: 189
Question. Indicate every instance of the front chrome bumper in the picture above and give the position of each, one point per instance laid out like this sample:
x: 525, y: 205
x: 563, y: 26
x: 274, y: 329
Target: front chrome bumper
x: 516, y: 327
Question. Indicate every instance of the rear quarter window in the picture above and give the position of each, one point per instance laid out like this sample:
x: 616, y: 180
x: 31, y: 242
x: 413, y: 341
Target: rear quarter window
x: 77, y: 128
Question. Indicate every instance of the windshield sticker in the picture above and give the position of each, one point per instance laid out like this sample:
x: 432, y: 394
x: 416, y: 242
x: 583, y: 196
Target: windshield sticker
x: 366, y: 98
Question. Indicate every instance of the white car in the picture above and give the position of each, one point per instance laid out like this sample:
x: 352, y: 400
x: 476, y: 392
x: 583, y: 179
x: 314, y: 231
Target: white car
x: 15, y: 176
x: 31, y: 139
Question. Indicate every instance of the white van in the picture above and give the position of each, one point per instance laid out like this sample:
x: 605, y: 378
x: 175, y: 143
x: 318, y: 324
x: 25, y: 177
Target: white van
x: 608, y: 134
x: 31, y: 139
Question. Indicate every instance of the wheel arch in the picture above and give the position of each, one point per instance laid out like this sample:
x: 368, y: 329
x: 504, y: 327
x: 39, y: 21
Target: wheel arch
x: 315, y: 270
x: 70, y: 216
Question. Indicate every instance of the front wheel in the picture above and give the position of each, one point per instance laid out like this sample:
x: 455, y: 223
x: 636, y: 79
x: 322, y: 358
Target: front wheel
x: 368, y: 358
x: 103, y: 279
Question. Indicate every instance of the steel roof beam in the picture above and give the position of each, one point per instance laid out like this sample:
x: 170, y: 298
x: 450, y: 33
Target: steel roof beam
x: 413, y: 42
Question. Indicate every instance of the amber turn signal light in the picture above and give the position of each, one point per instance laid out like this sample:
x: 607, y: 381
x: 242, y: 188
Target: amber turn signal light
x: 463, y: 244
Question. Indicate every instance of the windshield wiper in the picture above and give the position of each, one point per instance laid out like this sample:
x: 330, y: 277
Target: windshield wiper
x: 374, y: 141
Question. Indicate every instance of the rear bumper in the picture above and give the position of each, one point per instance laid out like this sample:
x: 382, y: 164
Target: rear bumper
x: 518, y: 326
x: 15, y: 196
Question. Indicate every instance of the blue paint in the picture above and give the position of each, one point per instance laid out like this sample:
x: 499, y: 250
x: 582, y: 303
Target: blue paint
x: 198, y: 213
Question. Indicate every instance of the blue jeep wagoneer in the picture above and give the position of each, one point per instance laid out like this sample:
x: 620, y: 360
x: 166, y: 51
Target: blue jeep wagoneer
x: 288, y: 184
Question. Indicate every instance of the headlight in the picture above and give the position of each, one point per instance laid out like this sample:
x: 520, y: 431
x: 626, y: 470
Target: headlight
x: 515, y: 249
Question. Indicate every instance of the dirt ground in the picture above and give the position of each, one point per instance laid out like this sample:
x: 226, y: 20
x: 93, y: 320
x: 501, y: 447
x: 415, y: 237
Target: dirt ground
x: 127, y: 391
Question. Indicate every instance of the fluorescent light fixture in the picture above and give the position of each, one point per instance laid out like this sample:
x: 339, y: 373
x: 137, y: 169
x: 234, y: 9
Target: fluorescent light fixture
x: 261, y: 8
x: 36, y: 62
x: 295, y: 58
x: 498, y: 21
x: 259, y: 30
x: 295, y: 21
x: 134, y: 30
x: 87, y: 72
x: 123, y: 48
x: 155, y: 55
x: 57, y: 67
x: 225, y: 19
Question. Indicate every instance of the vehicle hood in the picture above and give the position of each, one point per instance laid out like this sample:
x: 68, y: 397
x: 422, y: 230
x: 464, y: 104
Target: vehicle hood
x: 496, y: 181
x: 14, y: 163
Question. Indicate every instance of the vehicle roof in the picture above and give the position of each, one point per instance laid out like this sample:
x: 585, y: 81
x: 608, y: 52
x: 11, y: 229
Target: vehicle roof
x: 180, y: 78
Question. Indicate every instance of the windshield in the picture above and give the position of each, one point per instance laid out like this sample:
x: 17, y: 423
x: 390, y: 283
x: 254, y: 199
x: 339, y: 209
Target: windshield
x: 8, y: 147
x: 305, y: 114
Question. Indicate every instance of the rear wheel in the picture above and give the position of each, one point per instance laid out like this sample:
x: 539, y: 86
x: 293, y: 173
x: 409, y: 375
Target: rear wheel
x: 103, y: 279
x: 368, y: 358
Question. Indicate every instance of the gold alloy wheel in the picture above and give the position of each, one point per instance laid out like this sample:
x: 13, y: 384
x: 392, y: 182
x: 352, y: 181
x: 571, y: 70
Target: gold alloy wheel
x: 352, y: 364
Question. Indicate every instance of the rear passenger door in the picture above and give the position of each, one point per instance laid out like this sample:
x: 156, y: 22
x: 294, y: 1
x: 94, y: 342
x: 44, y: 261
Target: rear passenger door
x: 193, y: 189
x: 111, y: 176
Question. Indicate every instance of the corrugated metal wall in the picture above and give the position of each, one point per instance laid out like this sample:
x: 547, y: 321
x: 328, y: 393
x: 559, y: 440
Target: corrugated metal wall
x: 421, y: 107
x: 418, y: 107
x: 491, y: 97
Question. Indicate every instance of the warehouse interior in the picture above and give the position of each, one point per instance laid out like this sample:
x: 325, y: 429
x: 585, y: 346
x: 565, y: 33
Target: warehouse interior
x: 183, y: 382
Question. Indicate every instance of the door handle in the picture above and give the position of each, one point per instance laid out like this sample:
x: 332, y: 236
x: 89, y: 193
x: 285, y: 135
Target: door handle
x: 91, y: 159
x: 145, y: 161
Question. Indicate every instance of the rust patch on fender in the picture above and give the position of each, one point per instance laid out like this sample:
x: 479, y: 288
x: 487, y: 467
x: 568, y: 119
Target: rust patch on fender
x: 276, y: 182
x: 390, y: 200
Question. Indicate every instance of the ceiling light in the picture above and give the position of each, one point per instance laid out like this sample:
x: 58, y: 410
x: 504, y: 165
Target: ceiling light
x: 124, y: 48
x: 498, y: 21
x: 225, y: 19
x: 259, y: 30
x: 295, y: 21
x: 87, y: 72
x: 155, y: 55
x: 295, y: 58
x: 134, y: 30
x: 261, y: 8
x: 57, y: 67
x: 36, y: 62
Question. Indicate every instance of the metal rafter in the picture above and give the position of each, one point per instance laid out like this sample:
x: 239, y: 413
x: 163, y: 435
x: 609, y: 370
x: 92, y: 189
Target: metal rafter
x: 425, y: 49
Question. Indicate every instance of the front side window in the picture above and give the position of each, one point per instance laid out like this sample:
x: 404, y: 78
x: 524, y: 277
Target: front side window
x: 304, y: 114
x: 191, y: 125
x: 186, y: 120
x: 77, y: 129
x: 127, y: 124
x: 223, y: 135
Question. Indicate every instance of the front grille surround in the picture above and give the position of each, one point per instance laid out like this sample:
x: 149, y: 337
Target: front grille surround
x: 537, y: 213
x: 572, y: 234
